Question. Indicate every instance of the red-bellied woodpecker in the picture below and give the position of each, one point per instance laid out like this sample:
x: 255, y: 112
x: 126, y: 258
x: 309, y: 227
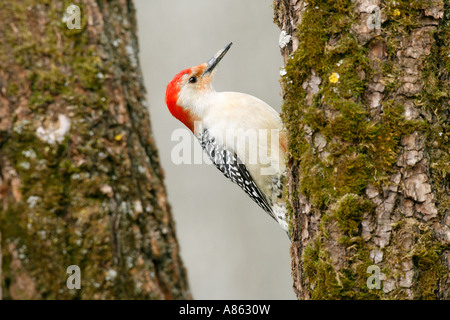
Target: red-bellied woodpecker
x: 242, y: 135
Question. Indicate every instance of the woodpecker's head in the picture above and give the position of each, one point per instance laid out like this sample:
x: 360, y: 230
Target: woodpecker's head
x: 186, y: 93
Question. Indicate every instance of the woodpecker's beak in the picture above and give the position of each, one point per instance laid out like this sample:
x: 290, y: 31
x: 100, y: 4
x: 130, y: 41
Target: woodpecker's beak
x: 212, y: 63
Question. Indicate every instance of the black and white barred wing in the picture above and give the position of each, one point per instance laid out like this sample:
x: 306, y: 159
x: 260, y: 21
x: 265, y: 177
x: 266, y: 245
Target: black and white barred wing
x: 233, y: 168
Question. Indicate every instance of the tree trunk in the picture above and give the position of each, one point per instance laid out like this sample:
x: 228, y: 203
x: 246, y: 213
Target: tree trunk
x: 366, y: 105
x: 80, y: 180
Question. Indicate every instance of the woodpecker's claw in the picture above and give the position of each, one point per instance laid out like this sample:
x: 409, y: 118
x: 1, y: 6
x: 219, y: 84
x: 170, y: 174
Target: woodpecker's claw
x: 212, y: 63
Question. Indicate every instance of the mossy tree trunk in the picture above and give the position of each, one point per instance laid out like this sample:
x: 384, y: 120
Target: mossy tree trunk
x: 366, y: 105
x: 80, y: 179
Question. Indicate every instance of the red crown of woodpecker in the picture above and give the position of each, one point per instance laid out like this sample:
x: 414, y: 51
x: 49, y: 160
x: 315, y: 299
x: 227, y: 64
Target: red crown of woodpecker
x: 199, y: 77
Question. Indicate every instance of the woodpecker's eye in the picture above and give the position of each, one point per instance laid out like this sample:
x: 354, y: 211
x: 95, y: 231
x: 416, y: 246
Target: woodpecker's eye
x: 192, y: 79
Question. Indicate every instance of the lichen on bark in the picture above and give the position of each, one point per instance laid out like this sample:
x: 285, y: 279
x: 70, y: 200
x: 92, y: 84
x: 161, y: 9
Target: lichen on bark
x: 358, y: 109
x: 80, y: 180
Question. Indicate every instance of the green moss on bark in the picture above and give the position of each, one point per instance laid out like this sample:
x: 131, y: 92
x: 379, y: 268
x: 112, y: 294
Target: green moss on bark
x: 360, y: 149
x: 349, y: 212
x: 327, y: 283
x: 95, y: 199
x: 435, y: 99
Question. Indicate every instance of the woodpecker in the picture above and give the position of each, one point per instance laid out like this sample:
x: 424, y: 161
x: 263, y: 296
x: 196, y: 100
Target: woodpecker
x: 242, y: 135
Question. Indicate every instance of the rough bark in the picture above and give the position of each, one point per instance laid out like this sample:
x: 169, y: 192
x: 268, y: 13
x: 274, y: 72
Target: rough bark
x: 366, y: 100
x: 80, y: 179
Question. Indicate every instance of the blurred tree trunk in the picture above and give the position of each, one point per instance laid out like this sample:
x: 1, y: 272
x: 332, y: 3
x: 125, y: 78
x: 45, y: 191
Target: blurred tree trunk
x: 366, y: 105
x: 80, y: 180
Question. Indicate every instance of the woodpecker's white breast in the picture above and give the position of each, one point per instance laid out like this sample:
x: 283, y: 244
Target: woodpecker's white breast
x: 247, y: 127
